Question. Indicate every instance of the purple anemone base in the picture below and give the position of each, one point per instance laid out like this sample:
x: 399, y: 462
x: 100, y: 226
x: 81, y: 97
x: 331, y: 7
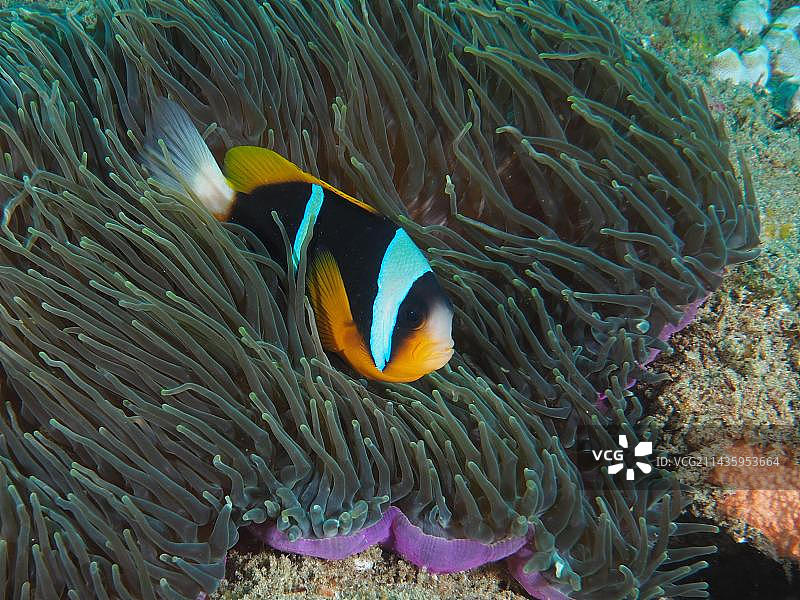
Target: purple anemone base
x: 689, y: 313
x: 395, y: 532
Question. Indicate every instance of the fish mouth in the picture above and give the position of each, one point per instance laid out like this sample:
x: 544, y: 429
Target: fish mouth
x: 430, y: 355
x: 441, y: 357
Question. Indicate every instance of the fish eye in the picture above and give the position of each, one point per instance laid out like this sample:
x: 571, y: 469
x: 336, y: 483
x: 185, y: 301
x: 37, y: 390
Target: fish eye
x: 412, y: 317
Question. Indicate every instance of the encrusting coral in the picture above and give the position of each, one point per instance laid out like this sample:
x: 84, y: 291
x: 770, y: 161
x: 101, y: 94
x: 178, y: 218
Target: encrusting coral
x: 778, y: 54
x: 750, y: 17
x: 764, y: 497
x: 164, y: 382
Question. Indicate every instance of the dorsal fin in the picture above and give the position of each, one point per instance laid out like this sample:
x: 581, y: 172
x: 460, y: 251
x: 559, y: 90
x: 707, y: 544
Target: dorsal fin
x: 249, y: 167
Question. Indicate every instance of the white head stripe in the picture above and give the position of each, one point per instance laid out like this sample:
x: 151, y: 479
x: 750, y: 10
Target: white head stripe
x: 403, y: 263
x: 313, y: 206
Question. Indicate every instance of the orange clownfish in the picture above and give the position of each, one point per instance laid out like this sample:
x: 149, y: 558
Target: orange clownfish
x: 376, y: 301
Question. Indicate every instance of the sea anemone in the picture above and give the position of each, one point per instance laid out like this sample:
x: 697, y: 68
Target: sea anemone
x: 164, y: 383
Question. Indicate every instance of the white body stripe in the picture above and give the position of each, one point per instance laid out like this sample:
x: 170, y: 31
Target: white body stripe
x: 313, y: 206
x: 403, y: 263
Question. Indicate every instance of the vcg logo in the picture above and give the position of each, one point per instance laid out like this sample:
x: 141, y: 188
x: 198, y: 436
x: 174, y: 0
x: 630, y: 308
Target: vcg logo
x: 617, y: 456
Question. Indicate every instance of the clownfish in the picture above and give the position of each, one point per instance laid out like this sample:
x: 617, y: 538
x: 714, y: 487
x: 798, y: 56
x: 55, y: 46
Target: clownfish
x: 376, y: 301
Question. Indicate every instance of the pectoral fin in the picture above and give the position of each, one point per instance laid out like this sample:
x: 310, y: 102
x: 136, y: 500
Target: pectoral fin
x: 331, y: 305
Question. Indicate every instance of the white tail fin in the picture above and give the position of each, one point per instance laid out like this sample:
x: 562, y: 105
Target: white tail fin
x: 190, y: 158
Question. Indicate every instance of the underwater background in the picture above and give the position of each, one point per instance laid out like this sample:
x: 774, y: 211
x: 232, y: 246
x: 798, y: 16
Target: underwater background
x: 737, y: 365
x: 734, y: 372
